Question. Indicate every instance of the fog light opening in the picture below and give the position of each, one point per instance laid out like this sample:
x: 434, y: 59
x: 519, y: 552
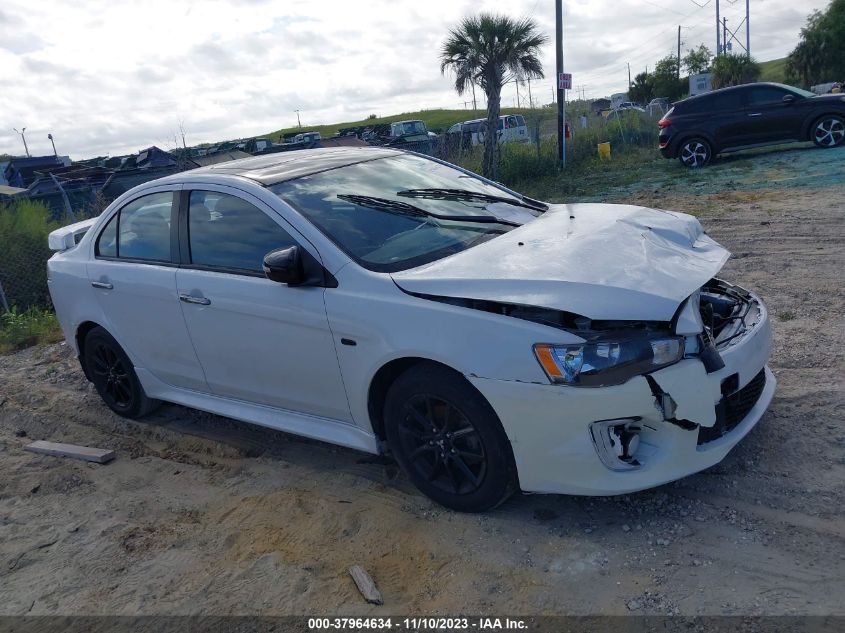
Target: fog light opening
x: 616, y: 442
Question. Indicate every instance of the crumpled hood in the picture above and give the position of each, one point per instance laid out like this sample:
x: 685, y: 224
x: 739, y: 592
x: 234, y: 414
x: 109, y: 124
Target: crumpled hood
x: 607, y: 262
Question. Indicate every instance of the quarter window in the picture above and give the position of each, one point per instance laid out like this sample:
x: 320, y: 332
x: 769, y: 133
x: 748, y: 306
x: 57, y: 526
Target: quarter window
x: 229, y: 233
x: 140, y: 230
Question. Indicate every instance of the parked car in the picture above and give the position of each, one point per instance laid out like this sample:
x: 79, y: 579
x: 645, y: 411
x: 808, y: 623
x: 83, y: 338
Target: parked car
x: 629, y: 105
x: 393, y: 303
x: 307, y: 137
x: 658, y: 105
x: 752, y: 115
x: 511, y: 128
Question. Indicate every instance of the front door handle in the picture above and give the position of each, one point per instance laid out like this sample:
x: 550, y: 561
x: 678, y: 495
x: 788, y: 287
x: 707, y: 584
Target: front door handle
x: 756, y: 114
x: 192, y: 299
x: 102, y: 284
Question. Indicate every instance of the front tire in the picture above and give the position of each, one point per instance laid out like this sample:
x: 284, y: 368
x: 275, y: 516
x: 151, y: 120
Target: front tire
x: 448, y: 440
x: 114, y: 376
x: 829, y: 131
x: 694, y: 153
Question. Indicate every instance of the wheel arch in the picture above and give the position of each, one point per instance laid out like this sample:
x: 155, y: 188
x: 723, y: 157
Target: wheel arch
x: 694, y: 135
x: 82, y: 332
x: 386, y: 376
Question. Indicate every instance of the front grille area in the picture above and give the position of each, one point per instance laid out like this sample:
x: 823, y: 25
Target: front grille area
x: 733, y: 408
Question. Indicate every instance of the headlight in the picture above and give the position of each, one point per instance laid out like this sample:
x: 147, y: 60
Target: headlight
x: 602, y: 363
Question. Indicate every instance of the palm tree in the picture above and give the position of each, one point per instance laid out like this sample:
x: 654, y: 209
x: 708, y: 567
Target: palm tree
x: 490, y: 50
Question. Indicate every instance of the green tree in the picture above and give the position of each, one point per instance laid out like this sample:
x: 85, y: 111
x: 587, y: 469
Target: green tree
x: 820, y: 55
x: 665, y: 79
x: 733, y: 70
x: 642, y: 90
x: 697, y: 60
x: 490, y: 50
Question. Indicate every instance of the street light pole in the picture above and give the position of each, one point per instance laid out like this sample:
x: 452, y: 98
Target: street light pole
x: 55, y: 153
x: 23, y: 138
x: 561, y: 107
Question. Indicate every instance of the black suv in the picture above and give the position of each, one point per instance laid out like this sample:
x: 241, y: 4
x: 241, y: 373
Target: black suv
x: 730, y: 119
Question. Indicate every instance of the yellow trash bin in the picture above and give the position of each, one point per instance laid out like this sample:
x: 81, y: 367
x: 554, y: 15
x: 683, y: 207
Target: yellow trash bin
x: 604, y: 150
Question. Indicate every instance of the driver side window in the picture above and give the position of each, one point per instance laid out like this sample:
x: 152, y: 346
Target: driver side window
x: 228, y: 233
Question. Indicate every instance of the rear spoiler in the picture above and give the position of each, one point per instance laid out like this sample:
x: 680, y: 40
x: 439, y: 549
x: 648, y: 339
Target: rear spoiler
x: 68, y: 236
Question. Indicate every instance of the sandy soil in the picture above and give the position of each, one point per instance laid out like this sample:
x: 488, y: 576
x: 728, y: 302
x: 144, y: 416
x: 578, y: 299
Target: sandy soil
x: 200, y: 514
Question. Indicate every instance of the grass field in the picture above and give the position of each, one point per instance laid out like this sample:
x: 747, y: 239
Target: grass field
x: 773, y: 70
x: 436, y: 120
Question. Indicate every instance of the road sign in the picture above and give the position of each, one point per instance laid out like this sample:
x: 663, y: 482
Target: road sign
x: 564, y: 81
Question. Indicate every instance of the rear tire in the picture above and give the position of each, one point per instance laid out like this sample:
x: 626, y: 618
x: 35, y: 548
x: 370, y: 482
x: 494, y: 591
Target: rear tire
x: 114, y: 376
x: 695, y: 153
x: 448, y: 440
x: 828, y: 131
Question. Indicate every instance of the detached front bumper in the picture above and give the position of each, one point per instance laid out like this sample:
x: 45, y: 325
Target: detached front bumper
x: 549, y: 426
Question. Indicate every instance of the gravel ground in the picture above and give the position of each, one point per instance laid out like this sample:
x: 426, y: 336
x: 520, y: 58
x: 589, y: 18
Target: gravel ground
x: 200, y: 514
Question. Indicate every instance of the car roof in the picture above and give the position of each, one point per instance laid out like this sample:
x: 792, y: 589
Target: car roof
x: 271, y: 169
x: 732, y: 88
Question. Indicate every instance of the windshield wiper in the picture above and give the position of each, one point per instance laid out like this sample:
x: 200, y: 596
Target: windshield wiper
x: 403, y: 208
x: 435, y: 193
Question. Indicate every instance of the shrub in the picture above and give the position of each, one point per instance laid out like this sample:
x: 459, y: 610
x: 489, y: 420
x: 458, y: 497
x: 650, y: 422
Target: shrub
x: 24, y: 226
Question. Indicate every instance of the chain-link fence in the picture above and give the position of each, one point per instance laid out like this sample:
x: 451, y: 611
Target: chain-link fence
x: 24, y: 227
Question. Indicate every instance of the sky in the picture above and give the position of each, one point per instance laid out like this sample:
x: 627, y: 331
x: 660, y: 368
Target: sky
x: 114, y: 76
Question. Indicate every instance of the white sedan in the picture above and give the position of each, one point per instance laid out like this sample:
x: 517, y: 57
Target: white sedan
x: 394, y: 303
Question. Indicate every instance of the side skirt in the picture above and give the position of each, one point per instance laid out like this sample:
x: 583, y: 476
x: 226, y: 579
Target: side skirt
x: 314, y: 427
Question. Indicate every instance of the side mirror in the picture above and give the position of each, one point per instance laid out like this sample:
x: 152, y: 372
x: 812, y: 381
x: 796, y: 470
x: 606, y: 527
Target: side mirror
x: 285, y: 266
x: 788, y: 99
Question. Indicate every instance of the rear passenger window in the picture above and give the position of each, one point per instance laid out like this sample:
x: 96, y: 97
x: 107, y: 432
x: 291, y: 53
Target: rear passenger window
x: 140, y: 230
x: 731, y: 100
x: 229, y: 233
x: 107, y: 242
x: 764, y: 94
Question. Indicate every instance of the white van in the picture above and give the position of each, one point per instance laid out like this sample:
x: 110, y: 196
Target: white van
x: 512, y: 128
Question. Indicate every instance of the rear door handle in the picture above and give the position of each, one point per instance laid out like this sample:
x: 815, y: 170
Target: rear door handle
x: 102, y: 284
x: 756, y: 114
x: 192, y: 299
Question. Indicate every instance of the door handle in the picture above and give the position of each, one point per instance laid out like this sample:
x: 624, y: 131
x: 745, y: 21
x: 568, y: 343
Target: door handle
x: 756, y: 114
x: 198, y: 300
x: 102, y: 284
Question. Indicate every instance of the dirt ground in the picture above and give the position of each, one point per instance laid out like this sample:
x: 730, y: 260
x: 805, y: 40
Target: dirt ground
x: 200, y: 514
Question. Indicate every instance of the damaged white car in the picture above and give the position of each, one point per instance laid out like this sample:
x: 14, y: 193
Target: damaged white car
x: 396, y: 304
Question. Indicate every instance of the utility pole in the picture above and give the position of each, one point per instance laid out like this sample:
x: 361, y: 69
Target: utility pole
x: 561, y: 97
x: 629, y: 74
x: 516, y: 83
x: 748, y: 28
x: 298, y: 122
x: 23, y: 138
x: 50, y: 136
x: 530, y: 98
x: 679, y: 52
x: 474, y: 106
x: 718, y: 31
x: 725, y: 34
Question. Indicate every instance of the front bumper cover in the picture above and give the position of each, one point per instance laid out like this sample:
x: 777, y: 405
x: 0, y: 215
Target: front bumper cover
x: 549, y: 425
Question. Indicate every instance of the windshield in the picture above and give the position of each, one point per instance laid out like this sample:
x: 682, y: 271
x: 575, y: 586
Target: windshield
x: 409, y: 127
x: 803, y: 93
x: 382, y: 236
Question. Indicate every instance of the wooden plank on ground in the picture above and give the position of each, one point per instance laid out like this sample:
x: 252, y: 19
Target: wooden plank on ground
x: 366, y: 585
x: 98, y: 455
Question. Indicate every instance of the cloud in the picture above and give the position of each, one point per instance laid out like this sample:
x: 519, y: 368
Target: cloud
x: 112, y: 77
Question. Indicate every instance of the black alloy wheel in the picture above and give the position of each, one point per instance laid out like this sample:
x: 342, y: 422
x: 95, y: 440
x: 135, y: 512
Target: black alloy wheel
x: 113, y: 375
x: 442, y: 445
x: 694, y: 153
x: 448, y: 439
x: 829, y: 131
